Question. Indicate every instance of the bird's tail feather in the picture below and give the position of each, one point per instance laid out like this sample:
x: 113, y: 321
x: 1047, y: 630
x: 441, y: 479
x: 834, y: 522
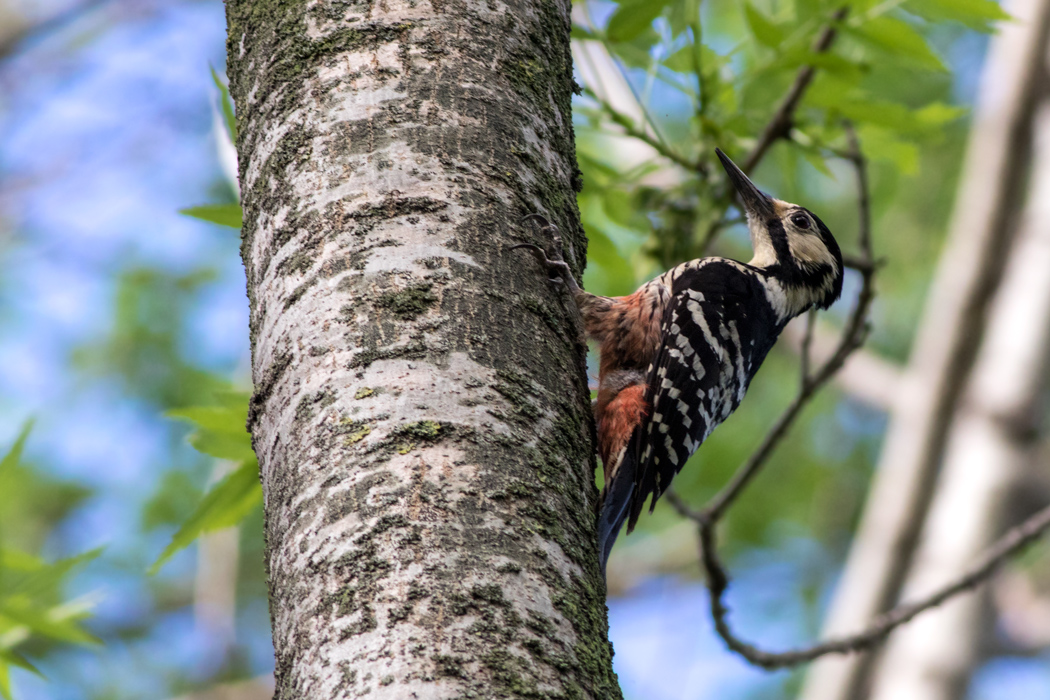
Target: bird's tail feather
x: 616, y: 506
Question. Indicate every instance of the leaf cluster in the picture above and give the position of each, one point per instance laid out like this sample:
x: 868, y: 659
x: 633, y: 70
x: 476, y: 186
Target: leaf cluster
x: 33, y: 610
x: 705, y: 75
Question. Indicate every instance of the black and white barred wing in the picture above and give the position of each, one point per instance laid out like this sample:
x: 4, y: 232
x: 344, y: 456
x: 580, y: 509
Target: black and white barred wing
x: 699, y: 375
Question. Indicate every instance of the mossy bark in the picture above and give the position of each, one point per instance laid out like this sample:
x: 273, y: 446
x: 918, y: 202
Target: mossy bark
x: 421, y: 411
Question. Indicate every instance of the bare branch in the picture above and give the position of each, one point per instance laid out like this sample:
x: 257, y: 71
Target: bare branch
x: 807, y: 342
x: 1013, y: 542
x: 866, y: 376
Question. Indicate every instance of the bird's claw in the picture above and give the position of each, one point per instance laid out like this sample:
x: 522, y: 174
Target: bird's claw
x: 553, y: 262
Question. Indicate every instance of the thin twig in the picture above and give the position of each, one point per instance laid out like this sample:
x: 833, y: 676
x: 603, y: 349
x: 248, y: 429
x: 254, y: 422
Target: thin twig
x: 807, y: 342
x: 681, y: 507
x: 861, y: 264
x: 632, y: 130
x: 1015, y: 540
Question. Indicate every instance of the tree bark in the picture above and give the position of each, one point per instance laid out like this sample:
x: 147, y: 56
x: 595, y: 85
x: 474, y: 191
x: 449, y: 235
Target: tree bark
x: 945, y: 345
x: 421, y: 411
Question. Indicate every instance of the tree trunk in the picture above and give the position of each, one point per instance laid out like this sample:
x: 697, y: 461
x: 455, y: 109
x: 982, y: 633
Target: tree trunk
x: 421, y: 411
x: 989, y: 448
x: 945, y: 345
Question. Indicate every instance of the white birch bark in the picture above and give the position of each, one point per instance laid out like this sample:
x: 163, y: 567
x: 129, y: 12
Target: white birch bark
x: 945, y: 344
x: 989, y: 447
x: 421, y: 412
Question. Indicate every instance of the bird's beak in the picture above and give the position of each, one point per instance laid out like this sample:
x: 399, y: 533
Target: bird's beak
x: 756, y: 204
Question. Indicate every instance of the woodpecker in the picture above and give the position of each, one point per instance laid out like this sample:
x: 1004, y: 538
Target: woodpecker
x: 677, y: 356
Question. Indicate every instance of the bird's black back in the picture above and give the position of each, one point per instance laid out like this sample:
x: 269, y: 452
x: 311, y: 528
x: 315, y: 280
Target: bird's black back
x: 716, y: 330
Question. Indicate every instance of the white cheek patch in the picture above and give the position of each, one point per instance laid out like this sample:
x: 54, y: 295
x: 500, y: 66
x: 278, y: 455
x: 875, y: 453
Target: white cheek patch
x: 809, y: 250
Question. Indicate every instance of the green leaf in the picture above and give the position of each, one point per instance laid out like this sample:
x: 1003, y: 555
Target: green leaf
x: 632, y: 18
x: 578, y: 32
x: 14, y: 455
x: 53, y: 623
x: 767, y: 33
x: 938, y: 114
x: 817, y: 162
x: 898, y: 38
x: 222, y: 214
x: 221, y: 419
x: 226, y: 504
x: 976, y: 14
x: 827, y: 62
x: 223, y: 445
x: 9, y: 656
x: 41, y: 576
x: 884, y: 145
x: 221, y: 428
x: 604, y: 253
x: 227, y: 106
x: 18, y: 560
x: 5, y: 680
x: 898, y: 117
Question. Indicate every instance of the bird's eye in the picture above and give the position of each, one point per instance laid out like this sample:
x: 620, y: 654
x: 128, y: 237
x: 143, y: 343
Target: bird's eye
x: 800, y: 220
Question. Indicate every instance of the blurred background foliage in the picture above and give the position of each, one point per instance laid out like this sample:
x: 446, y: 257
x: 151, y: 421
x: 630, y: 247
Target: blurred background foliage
x: 123, y: 323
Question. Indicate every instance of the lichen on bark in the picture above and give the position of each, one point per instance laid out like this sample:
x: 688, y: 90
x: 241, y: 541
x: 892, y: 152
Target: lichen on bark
x: 420, y: 413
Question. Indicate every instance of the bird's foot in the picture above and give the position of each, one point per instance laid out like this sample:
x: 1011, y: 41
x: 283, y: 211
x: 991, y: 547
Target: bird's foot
x: 553, y: 262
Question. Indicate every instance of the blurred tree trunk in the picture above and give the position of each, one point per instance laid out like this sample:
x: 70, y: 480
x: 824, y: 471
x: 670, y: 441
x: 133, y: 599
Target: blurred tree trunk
x: 990, y: 445
x: 945, y: 347
x: 215, y: 585
x: 421, y: 412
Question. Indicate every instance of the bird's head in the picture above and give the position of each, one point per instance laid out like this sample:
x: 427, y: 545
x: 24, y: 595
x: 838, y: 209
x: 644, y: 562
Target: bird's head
x: 791, y: 244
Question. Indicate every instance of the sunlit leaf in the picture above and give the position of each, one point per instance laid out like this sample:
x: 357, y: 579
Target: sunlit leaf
x: 603, y: 252
x: 41, y: 577
x: 226, y: 504
x: 683, y: 61
x: 221, y: 430
x: 898, y: 38
x: 221, y: 419
x: 817, y: 162
x: 976, y: 14
x: 884, y: 145
x: 938, y: 114
x: 222, y: 214
x: 227, y: 106
x: 682, y: 15
x: 827, y: 62
x: 223, y: 445
x: 767, y: 33
x: 14, y: 453
x: 8, y: 656
x: 579, y: 32
x: 899, y: 117
x: 53, y: 623
x: 632, y: 18
x: 19, y: 561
